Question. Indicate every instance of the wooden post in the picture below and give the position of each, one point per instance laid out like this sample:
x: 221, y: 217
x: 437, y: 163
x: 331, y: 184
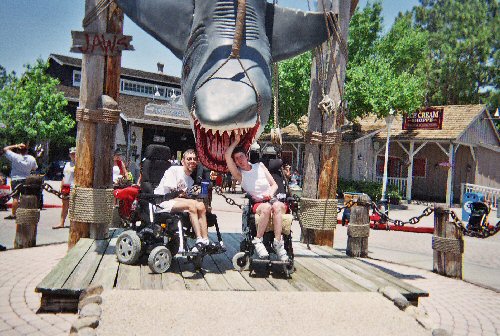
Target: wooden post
x: 358, y: 229
x: 95, y: 141
x: 324, y: 159
x: 28, y: 213
x: 449, y: 179
x: 447, y: 244
x: 409, y: 177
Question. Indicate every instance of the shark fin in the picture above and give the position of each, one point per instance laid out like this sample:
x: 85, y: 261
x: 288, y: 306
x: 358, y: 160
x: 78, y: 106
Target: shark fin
x: 168, y: 21
x: 292, y: 32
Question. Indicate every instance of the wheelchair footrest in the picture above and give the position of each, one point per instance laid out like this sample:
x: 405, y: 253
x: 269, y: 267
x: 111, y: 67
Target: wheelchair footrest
x: 214, y: 248
x: 270, y: 262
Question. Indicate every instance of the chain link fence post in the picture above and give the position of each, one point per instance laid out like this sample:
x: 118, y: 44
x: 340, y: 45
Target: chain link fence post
x: 358, y: 229
x: 447, y: 243
x: 28, y: 213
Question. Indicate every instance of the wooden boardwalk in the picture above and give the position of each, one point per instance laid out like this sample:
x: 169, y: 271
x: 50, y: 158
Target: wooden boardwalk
x: 93, y: 262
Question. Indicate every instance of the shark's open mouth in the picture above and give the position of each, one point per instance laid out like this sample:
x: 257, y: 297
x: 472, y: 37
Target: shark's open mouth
x: 212, y: 144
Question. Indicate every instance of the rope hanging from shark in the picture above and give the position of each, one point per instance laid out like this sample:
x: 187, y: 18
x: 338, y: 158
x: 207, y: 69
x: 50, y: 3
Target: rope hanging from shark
x: 327, y: 105
x: 276, y: 131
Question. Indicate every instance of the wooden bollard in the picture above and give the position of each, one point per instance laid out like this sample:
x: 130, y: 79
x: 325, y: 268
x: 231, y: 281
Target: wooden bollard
x: 447, y: 243
x: 28, y: 213
x: 358, y: 229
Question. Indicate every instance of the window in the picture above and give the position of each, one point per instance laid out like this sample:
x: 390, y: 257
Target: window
x: 147, y: 90
x: 394, y: 166
x: 77, y: 77
x: 419, y: 167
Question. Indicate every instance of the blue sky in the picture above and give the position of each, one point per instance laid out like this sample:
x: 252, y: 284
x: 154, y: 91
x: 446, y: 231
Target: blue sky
x: 30, y: 29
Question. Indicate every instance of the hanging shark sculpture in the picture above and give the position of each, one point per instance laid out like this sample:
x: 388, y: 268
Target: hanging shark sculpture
x: 227, y: 95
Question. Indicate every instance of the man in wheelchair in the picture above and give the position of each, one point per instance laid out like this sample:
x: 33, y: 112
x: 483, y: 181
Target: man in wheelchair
x: 166, y: 218
x: 174, y: 185
x: 256, y: 180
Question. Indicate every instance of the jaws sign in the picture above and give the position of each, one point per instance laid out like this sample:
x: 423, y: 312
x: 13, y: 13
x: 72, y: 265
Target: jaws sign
x: 104, y: 44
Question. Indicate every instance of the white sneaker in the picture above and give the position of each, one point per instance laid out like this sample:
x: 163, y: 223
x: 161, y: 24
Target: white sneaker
x: 279, y: 248
x: 200, y: 243
x: 260, y: 248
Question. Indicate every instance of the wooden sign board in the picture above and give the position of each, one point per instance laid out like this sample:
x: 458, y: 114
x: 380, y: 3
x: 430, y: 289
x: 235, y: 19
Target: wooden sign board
x: 104, y: 44
x: 426, y: 118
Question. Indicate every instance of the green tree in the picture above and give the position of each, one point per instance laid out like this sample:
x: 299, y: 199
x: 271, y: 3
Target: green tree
x: 463, y: 39
x: 294, y: 85
x: 387, y: 73
x: 5, y: 77
x: 365, y: 29
x: 32, y: 108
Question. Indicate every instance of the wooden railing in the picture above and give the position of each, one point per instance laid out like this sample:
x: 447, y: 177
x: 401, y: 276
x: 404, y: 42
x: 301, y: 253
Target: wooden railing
x: 491, y: 195
x: 400, y: 182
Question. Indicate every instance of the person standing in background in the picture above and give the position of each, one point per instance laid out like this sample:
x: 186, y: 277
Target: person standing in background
x: 119, y: 169
x: 67, y: 183
x: 22, y: 164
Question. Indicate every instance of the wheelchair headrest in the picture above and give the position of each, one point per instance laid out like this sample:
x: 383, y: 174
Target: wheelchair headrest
x: 274, y: 165
x: 157, y: 152
x: 156, y: 162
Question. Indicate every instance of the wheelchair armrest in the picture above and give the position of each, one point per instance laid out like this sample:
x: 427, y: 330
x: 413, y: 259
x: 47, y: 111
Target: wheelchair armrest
x: 151, y: 198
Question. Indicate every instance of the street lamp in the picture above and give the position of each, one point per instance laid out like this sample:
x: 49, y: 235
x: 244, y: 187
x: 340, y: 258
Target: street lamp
x: 388, y: 120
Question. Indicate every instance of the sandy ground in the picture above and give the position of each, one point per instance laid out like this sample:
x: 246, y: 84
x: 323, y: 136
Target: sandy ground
x: 252, y: 313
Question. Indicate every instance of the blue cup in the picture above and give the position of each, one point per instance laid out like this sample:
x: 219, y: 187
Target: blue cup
x: 204, y: 188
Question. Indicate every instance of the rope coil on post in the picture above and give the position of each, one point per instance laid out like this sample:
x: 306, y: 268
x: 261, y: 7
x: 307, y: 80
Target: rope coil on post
x: 318, y: 214
x: 448, y: 245
x: 27, y: 216
x: 90, y: 205
x: 102, y: 115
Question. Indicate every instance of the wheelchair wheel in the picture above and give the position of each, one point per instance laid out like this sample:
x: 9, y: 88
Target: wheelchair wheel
x: 241, y: 261
x: 160, y: 259
x: 128, y: 247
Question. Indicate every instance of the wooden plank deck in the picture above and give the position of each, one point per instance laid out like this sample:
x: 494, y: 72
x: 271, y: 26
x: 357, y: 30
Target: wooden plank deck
x: 320, y: 269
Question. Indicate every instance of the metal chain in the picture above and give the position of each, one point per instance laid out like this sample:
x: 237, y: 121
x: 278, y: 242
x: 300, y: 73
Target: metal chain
x: 15, y: 192
x: 457, y: 222
x: 48, y: 188
x: 397, y: 222
x: 228, y: 200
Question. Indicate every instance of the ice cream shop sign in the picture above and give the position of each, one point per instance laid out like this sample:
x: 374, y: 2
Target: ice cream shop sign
x: 426, y: 118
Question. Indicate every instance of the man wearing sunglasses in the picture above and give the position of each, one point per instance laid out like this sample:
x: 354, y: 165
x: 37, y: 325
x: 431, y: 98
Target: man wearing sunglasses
x: 174, y: 184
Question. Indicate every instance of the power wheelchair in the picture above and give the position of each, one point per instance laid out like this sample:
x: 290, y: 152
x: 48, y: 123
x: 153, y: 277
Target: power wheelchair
x: 245, y: 260
x: 160, y: 235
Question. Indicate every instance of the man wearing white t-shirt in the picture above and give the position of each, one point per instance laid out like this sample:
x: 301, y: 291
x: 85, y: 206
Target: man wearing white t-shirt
x: 22, y: 165
x: 175, y: 183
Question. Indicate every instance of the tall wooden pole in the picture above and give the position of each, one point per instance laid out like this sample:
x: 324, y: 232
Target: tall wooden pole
x: 321, y: 161
x: 95, y: 142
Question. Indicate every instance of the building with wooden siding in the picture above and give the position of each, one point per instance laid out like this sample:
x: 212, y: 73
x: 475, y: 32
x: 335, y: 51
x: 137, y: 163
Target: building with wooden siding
x: 151, y: 107
x: 427, y: 164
